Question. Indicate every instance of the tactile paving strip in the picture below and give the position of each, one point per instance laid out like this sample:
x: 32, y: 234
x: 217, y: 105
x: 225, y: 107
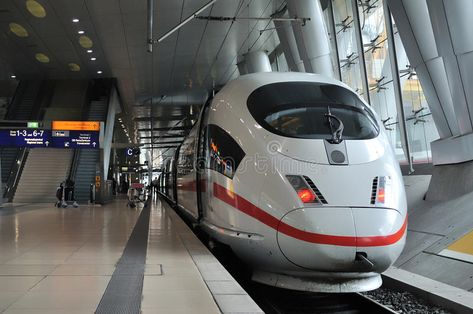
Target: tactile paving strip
x: 123, y: 293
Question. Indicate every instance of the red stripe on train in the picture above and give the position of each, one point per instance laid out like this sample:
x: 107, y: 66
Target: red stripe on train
x: 250, y: 209
x: 192, y: 186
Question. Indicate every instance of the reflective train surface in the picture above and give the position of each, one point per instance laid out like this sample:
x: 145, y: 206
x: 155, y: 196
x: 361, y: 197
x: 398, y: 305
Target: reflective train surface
x: 295, y: 173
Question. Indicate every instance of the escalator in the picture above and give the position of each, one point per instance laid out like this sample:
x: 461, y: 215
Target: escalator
x: 88, y: 159
x: 25, y: 106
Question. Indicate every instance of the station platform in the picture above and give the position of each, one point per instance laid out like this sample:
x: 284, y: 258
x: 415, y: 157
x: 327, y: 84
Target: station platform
x: 436, y: 264
x: 109, y: 259
x: 439, y: 242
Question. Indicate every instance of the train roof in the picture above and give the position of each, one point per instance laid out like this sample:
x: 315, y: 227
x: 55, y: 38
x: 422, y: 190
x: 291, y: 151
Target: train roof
x: 246, y: 84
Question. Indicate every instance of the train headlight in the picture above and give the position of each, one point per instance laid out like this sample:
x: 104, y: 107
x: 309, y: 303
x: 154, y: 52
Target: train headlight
x: 303, y: 190
x: 306, y: 195
x: 382, y: 187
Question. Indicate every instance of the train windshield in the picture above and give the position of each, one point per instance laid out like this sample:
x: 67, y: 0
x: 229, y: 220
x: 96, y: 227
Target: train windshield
x: 312, y: 110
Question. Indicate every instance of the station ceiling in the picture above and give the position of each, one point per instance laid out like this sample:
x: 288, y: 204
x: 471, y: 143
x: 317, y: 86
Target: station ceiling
x: 44, y: 41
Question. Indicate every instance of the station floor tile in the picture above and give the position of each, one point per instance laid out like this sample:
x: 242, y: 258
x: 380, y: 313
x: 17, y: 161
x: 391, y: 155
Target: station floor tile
x: 172, y: 281
x: 60, y: 260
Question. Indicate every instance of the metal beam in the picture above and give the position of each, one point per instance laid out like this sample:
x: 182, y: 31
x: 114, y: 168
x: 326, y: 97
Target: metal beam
x: 187, y: 20
x: 397, y: 85
x: 361, y: 51
x: 301, y: 20
x: 333, y: 32
x: 160, y: 143
x: 164, y: 118
x: 160, y: 147
x: 177, y: 128
x: 164, y: 136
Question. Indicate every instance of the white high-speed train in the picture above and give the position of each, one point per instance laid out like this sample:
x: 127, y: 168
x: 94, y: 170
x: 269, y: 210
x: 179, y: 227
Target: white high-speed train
x: 295, y: 173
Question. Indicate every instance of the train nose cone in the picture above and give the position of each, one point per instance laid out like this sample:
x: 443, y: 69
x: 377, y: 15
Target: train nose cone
x: 324, y: 239
x: 342, y: 239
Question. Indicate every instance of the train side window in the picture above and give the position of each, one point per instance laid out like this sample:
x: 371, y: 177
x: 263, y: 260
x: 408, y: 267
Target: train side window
x: 186, y: 156
x: 223, y: 154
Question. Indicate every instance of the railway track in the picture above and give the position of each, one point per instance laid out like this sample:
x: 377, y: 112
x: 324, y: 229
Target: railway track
x: 281, y: 301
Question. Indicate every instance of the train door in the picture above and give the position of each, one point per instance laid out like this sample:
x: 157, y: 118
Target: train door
x: 174, y: 173
x: 203, y: 172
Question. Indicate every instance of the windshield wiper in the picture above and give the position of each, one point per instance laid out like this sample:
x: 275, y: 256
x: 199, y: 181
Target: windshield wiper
x: 337, y: 134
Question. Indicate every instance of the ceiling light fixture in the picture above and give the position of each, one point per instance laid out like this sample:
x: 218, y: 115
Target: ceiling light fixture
x: 85, y: 42
x: 93, y: 58
x: 18, y: 30
x: 99, y: 72
x: 35, y: 8
x: 80, y: 32
x: 13, y: 76
x: 74, y: 67
x: 90, y: 51
x: 41, y: 57
x: 75, y: 20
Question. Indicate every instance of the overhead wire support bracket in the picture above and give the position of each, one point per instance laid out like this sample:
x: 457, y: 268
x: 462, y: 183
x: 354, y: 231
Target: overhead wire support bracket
x: 187, y: 20
x: 302, y: 20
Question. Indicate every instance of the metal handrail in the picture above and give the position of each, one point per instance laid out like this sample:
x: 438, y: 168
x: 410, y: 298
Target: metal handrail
x: 15, y: 172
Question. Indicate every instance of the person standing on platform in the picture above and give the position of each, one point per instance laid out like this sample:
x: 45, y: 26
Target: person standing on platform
x: 154, y: 185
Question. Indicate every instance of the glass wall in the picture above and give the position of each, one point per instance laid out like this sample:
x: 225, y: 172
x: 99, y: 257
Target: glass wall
x: 378, y: 70
x: 347, y: 47
x: 420, y: 126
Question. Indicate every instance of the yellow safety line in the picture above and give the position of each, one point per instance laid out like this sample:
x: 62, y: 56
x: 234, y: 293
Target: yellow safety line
x: 464, y: 244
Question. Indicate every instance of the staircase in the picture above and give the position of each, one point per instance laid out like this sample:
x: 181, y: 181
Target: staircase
x: 88, y: 158
x: 21, y: 109
x: 45, y: 168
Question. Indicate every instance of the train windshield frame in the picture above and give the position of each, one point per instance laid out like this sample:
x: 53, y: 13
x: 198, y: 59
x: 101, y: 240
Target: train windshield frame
x: 304, y: 110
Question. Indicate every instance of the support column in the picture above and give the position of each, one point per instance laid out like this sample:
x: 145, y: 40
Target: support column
x: 437, y: 36
x: 454, y: 45
x: 242, y: 66
x: 361, y: 50
x: 397, y: 86
x: 415, y: 29
x: 312, y: 40
x: 113, y: 109
x: 333, y: 31
x: 289, y: 45
x: 257, y: 61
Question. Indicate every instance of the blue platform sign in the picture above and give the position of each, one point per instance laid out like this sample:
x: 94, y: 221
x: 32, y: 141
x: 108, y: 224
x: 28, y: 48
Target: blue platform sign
x: 48, y: 138
x: 25, y: 138
x: 75, y: 139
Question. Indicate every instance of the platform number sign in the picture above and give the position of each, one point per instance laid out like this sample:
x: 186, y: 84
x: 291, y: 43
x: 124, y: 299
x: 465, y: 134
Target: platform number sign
x: 132, y: 152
